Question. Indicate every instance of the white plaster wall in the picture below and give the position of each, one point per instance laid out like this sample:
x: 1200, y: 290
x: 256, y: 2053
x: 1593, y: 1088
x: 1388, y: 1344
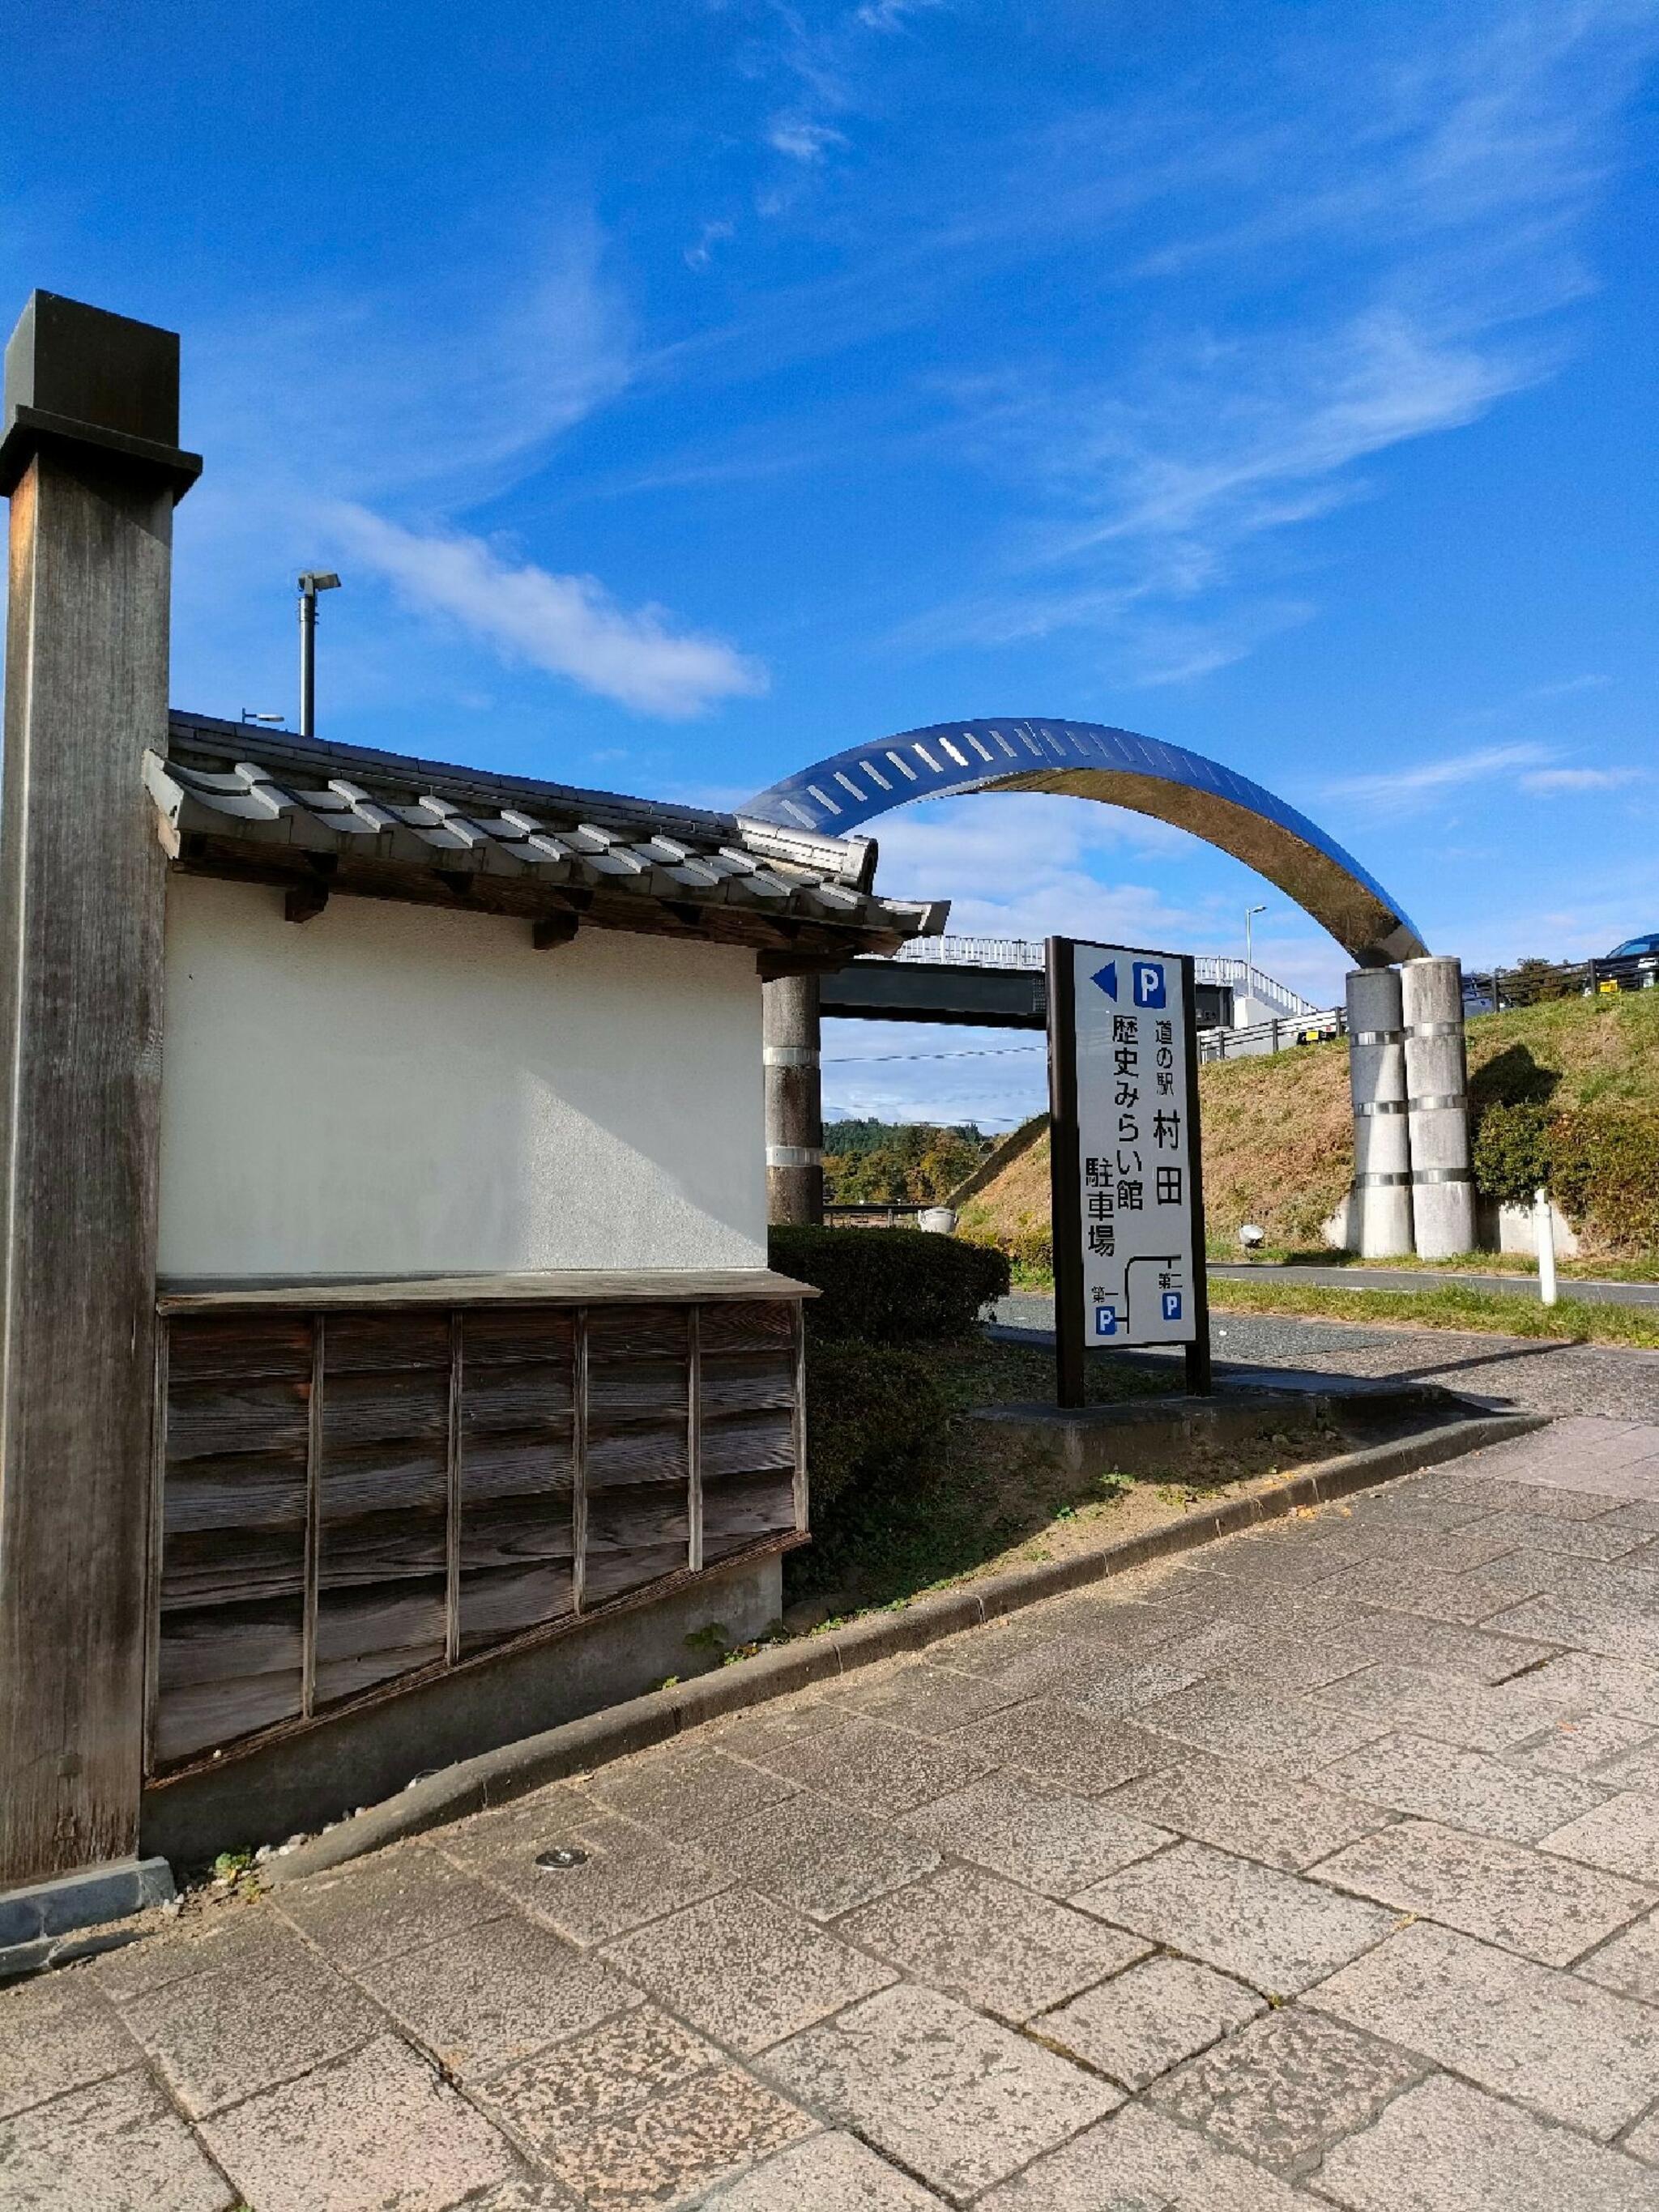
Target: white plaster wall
x: 387, y: 1090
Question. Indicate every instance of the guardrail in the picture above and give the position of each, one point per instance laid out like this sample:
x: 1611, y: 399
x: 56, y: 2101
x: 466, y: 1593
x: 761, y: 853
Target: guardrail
x: 1495, y: 990
x: 1216, y: 968
x: 1278, y: 1035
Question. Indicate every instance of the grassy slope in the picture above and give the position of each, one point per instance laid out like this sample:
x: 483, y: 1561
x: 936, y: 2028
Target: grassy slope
x: 1278, y: 1148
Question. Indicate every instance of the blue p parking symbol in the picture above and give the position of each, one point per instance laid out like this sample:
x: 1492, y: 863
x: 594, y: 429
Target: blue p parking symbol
x: 1149, y: 983
x: 1105, y: 1321
x: 1172, y: 1305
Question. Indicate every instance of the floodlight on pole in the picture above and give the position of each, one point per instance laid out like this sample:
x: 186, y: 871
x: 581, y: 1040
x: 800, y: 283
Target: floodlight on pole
x: 312, y: 581
x: 1250, y: 913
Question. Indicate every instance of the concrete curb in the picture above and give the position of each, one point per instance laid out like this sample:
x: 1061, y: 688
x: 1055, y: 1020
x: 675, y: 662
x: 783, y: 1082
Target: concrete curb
x: 579, y: 1746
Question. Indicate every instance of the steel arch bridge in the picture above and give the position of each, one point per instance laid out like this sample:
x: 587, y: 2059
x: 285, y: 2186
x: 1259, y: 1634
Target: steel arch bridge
x: 1089, y: 760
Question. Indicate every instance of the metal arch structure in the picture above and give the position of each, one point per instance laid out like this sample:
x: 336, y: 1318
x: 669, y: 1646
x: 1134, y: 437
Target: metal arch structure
x: 1089, y: 760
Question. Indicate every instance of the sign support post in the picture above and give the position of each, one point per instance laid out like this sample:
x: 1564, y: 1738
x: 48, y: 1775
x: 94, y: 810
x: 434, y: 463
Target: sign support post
x: 1127, y: 1175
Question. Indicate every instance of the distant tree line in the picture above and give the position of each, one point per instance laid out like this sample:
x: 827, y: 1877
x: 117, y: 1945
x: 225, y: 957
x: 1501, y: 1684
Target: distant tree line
x: 914, y: 1162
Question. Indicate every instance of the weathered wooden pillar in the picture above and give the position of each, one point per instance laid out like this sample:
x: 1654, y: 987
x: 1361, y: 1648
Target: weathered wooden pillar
x: 89, y: 456
x: 794, y: 1100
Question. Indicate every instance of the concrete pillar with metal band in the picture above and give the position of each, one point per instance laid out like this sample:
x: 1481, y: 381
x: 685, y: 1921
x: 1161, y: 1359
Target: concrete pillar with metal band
x: 1437, y: 1081
x: 794, y: 1100
x: 1377, y: 1076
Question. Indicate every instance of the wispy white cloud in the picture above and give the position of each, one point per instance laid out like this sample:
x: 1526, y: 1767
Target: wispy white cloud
x: 802, y: 138
x: 1399, y: 790
x: 1552, y: 782
x: 567, y: 625
x: 1402, y: 230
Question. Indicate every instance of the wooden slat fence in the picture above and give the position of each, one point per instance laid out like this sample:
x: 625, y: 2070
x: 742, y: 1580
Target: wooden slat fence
x: 350, y: 1500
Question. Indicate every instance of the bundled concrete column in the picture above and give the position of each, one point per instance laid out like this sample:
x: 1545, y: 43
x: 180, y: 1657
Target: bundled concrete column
x: 794, y: 1100
x: 1437, y: 1079
x: 1382, y: 1205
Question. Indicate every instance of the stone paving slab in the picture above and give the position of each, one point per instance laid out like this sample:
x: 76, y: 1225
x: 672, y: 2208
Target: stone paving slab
x: 1621, y: 1836
x: 1285, y: 2088
x: 1573, y: 2052
x: 1249, y: 1811
x: 114, y: 2147
x: 951, y: 2096
x: 746, y: 1970
x: 379, y: 2127
x: 1525, y: 1900
x: 1138, y: 2162
x: 1140, y: 2023
x: 485, y: 1997
x: 976, y: 1936
x: 276, y: 2011
x: 1046, y: 1840
x: 1463, y: 1788
x: 1236, y: 1884
x: 58, y: 2034
x: 1277, y: 1931
x: 828, y: 2174
x: 1445, y: 2148
x: 820, y: 1856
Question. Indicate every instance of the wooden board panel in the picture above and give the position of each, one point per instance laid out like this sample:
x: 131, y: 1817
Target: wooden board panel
x: 751, y: 1326
x: 634, y: 1334
x: 530, y: 1394
x: 745, y: 1444
x: 224, y: 1671
x: 367, y: 1636
x: 503, y: 1602
x: 208, y: 1420
x: 740, y: 1510
x: 452, y: 1487
x: 202, y: 1567
x: 633, y: 1536
x: 374, y: 1408
x: 241, y: 1347
x: 495, y: 1336
x: 747, y: 1382
x: 651, y: 1453
x: 373, y: 1343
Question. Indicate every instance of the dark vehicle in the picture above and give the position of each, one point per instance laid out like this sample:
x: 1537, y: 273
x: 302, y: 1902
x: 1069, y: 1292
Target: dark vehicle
x: 1631, y: 966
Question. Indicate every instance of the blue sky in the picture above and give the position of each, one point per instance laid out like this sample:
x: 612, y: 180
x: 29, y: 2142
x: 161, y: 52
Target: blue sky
x: 688, y: 390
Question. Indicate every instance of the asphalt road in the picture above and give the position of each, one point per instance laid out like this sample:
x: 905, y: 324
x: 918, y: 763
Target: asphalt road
x: 1545, y: 1377
x: 1438, y: 1279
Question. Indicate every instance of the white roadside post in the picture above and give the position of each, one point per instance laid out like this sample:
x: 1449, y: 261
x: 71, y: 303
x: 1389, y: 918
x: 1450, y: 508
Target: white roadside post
x: 1543, y: 1218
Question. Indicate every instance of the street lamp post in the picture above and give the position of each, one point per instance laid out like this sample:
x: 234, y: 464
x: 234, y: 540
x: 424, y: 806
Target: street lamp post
x: 1250, y: 913
x: 313, y: 581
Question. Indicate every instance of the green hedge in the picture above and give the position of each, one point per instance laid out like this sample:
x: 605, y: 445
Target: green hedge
x: 1601, y: 1164
x: 1512, y: 1152
x: 871, y: 1410
x: 886, y: 1287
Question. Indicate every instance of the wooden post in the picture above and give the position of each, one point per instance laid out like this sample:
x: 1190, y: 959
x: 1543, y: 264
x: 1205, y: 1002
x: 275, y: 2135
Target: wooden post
x: 794, y: 1100
x: 89, y: 456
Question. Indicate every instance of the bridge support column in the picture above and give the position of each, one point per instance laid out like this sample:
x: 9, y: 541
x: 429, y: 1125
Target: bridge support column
x: 1381, y: 1208
x: 794, y: 1100
x: 1437, y: 1078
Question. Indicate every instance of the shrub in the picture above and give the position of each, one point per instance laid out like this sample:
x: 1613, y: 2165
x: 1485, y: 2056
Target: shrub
x: 1512, y: 1152
x: 1601, y: 1167
x: 889, y: 1287
x: 872, y: 1409
x: 1605, y: 1175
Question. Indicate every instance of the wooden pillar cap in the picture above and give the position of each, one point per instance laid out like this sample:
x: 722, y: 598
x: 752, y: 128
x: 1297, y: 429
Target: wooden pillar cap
x: 81, y: 378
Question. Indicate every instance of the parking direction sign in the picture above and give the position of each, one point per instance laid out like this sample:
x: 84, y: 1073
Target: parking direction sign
x: 1127, y: 1176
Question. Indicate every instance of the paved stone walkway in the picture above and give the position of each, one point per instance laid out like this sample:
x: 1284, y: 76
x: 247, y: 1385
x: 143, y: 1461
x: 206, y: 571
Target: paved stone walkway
x: 1321, y: 1869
